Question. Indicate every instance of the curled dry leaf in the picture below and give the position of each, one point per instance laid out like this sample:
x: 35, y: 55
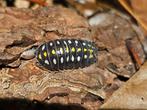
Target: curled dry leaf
x: 132, y: 95
x: 138, y: 9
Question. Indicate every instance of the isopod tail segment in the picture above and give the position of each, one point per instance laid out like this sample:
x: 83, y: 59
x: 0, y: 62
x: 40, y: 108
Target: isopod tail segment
x: 62, y: 54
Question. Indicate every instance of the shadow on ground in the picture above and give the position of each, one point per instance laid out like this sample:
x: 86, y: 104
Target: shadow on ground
x: 24, y: 104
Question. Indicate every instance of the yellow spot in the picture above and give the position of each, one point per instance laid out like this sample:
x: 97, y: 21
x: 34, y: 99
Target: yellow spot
x: 61, y: 50
x: 91, y: 51
x: 67, y: 49
x: 39, y: 56
x: 91, y: 56
x: 53, y: 52
x: 85, y: 49
x: 73, y: 49
x: 79, y: 49
x: 45, y: 54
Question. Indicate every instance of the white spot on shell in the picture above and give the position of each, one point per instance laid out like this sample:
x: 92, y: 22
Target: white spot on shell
x: 61, y: 59
x: 51, y: 44
x: 76, y: 41
x: 69, y: 41
x: 54, y: 61
x: 58, y: 42
x: 67, y: 59
x: 72, y: 58
x: 78, y: 58
x: 43, y: 47
x: 46, y: 61
x: 85, y: 56
x: 65, y: 42
x: 84, y: 43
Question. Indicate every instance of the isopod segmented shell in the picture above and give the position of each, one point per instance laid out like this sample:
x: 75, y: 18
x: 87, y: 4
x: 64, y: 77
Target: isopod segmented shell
x: 66, y: 54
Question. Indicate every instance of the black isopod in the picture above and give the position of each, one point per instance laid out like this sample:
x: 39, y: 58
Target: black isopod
x: 62, y: 54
